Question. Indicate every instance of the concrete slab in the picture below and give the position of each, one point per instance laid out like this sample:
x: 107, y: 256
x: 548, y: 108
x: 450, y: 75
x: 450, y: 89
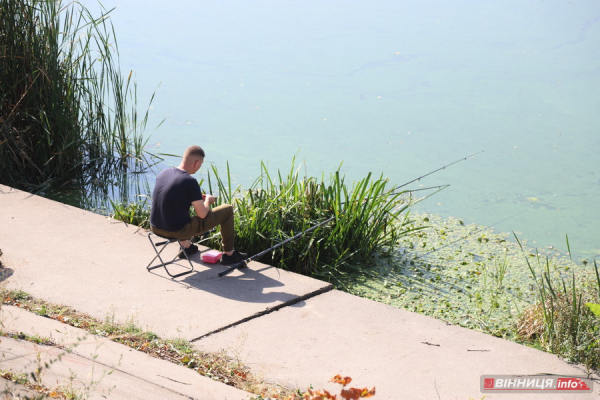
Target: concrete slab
x: 98, y: 366
x: 98, y: 266
x: 403, y: 354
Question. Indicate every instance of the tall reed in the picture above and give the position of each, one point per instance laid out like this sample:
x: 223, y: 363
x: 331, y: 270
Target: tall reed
x: 67, y: 115
x: 369, y: 216
x: 559, y: 321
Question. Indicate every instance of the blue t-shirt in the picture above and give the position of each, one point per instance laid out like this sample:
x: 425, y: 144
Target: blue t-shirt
x: 173, y: 194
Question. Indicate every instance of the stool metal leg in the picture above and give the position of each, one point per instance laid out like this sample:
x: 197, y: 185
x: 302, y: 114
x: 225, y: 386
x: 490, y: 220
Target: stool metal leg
x: 163, y: 244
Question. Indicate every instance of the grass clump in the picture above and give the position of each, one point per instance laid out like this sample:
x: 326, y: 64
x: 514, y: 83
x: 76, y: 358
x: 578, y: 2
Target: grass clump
x: 133, y: 213
x: 67, y: 115
x: 23, y: 380
x: 563, y: 321
x: 370, y: 215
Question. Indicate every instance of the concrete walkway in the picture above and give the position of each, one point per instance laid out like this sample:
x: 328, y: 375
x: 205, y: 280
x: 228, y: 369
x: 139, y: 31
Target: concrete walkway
x: 99, y: 367
x: 288, y: 328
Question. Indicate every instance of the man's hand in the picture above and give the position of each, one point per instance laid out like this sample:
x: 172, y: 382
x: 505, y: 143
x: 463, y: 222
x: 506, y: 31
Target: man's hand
x: 203, y: 206
x: 209, y: 199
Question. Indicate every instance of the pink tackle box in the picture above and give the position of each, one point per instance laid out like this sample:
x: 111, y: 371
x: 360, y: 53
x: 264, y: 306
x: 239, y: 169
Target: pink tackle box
x: 211, y: 256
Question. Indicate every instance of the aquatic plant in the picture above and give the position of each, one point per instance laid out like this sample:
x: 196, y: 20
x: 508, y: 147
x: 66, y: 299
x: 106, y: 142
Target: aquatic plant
x: 67, y: 115
x: 370, y: 215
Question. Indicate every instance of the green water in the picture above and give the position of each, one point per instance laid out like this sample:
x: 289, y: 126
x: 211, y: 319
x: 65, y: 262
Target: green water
x: 393, y: 87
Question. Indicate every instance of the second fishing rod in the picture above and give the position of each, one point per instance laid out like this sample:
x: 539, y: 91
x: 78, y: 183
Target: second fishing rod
x: 337, y: 212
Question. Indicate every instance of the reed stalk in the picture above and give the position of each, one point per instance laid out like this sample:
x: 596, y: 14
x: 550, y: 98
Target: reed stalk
x: 559, y: 321
x: 67, y: 115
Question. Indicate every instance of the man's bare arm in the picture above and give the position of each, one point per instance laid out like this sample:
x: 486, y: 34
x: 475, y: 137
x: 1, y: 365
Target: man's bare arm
x: 203, y: 206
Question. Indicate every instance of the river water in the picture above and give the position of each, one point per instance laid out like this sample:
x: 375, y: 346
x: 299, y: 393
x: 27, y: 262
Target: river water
x: 398, y: 88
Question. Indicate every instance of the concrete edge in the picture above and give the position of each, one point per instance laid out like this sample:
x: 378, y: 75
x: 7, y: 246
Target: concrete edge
x: 278, y: 307
x: 149, y: 372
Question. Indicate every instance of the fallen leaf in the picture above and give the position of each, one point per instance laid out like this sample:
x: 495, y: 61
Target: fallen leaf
x: 342, y: 381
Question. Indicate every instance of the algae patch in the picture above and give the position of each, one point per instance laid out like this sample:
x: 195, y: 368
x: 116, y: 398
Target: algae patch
x: 467, y: 275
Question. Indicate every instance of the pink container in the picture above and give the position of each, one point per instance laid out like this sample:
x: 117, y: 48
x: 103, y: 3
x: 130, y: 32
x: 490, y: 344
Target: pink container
x: 211, y: 256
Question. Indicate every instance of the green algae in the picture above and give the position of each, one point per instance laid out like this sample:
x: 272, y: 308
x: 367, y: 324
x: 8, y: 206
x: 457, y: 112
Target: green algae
x: 467, y: 275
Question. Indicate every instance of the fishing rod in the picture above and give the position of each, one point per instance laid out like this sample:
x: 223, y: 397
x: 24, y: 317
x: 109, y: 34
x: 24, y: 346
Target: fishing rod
x: 439, y: 169
x: 245, y: 262
x: 262, y: 253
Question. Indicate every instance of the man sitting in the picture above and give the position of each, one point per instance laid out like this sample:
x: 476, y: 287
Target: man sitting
x: 174, y: 192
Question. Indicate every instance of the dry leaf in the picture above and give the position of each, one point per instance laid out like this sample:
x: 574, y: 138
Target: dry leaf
x: 342, y: 381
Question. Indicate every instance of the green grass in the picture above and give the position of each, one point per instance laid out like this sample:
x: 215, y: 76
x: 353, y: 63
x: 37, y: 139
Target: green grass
x: 369, y: 215
x: 67, y: 115
x: 560, y: 321
x: 133, y: 213
x: 453, y: 272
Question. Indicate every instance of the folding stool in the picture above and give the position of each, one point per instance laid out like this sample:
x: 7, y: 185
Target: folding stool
x: 156, y: 244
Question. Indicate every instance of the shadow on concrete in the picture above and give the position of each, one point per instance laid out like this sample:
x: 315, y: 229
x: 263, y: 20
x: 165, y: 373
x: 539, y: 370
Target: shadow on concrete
x: 5, y: 273
x: 245, y: 285
x: 251, y: 286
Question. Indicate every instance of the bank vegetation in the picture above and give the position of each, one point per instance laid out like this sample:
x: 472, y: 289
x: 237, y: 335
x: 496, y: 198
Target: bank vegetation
x: 68, y: 116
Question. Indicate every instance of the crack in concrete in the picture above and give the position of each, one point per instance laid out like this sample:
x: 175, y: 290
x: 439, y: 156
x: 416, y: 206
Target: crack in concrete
x: 267, y: 311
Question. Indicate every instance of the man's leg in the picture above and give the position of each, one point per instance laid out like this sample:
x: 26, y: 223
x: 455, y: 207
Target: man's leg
x: 223, y: 216
x: 185, y: 242
x: 183, y: 237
